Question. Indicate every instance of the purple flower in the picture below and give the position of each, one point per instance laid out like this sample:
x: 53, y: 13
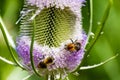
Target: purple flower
x: 59, y: 38
x: 63, y: 58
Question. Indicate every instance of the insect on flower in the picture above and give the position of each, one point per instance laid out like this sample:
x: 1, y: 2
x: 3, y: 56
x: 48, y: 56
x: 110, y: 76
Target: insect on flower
x: 74, y: 46
x: 43, y: 46
x: 55, y: 22
x: 46, y: 62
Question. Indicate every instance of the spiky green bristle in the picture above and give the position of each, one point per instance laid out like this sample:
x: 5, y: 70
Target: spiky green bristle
x: 52, y: 26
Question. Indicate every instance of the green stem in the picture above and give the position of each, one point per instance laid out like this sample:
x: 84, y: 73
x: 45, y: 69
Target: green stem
x: 9, y: 42
x: 52, y: 77
x: 97, y: 65
x: 97, y: 33
x: 27, y: 77
x: 46, y: 77
x: 7, y: 61
x: 91, y: 22
x: 31, y: 50
x: 101, y: 25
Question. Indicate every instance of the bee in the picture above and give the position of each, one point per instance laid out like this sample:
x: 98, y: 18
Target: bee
x: 42, y: 65
x: 74, y: 46
x: 47, y: 61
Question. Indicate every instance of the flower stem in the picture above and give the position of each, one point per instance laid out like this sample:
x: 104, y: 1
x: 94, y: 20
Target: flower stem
x: 9, y: 42
x: 91, y: 22
x: 27, y: 77
x: 100, y: 27
x: 52, y: 77
x: 100, y: 64
x: 97, y: 33
x: 7, y: 61
x: 46, y: 77
x: 31, y: 50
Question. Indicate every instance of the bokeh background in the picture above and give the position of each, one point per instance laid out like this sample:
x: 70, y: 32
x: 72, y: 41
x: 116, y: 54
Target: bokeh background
x: 106, y: 46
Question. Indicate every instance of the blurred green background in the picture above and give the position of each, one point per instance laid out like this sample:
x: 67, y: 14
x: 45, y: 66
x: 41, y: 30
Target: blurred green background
x: 106, y: 46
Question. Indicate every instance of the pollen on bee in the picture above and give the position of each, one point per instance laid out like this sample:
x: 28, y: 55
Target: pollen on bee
x: 73, y: 47
x: 46, y: 62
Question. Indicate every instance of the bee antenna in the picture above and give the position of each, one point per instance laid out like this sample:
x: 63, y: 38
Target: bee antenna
x: 76, y: 40
x: 71, y: 40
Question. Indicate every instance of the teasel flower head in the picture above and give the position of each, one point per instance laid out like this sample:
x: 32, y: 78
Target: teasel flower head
x: 59, y: 39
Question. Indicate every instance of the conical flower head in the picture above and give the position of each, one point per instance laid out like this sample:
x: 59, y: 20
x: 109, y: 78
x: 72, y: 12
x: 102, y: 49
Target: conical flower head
x: 59, y: 37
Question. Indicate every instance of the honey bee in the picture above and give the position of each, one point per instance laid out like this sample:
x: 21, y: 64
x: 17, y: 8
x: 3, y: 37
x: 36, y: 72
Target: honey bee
x: 74, y: 46
x: 47, y: 61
